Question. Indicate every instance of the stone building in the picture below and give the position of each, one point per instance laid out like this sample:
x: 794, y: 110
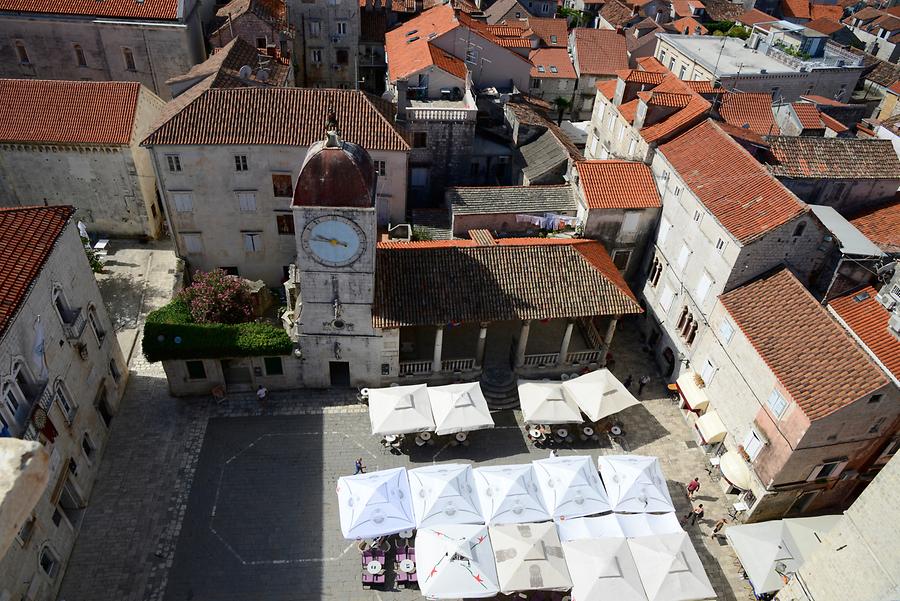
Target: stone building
x: 552, y: 75
x: 146, y: 42
x: 62, y: 378
x: 805, y: 119
x: 80, y: 145
x: 597, y: 55
x: 510, y: 10
x: 262, y: 23
x: 326, y: 46
x: 879, y: 30
x: 226, y: 176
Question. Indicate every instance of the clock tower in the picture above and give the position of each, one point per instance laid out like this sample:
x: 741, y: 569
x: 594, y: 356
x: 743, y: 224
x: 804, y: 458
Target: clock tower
x: 335, y: 228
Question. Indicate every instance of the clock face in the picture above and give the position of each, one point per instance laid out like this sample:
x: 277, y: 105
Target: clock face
x: 333, y: 241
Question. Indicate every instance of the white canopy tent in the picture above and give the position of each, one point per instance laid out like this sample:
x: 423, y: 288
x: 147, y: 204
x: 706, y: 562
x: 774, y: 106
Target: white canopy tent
x: 400, y: 410
x: 648, y: 524
x: 529, y: 557
x: 375, y: 504
x: 456, y: 561
x: 635, y: 483
x: 670, y: 568
x: 444, y: 493
x: 544, y: 403
x: 459, y: 408
x: 599, y: 394
x: 509, y: 494
x: 767, y: 548
x: 602, y: 569
x: 600, y: 526
x: 570, y: 486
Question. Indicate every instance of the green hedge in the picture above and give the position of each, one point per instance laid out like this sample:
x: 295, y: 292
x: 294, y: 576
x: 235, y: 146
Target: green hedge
x: 170, y: 333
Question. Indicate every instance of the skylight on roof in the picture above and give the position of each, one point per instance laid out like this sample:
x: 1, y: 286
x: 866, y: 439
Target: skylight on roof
x: 540, y: 68
x: 409, y: 33
x: 553, y: 69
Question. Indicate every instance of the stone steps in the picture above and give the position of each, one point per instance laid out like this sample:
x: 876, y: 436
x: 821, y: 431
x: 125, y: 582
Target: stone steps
x: 500, y: 389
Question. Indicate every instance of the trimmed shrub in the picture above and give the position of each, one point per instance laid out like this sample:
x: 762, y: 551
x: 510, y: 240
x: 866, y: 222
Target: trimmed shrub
x: 216, y: 297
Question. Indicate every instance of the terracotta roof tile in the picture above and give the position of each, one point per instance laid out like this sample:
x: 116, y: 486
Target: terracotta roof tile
x: 798, y: 9
x: 808, y: 115
x: 27, y: 237
x: 881, y: 226
x: 689, y: 26
x: 754, y: 16
x: 832, y: 123
x: 651, y: 63
x: 742, y: 133
x: 826, y: 11
x: 749, y: 108
x: 406, y: 45
x: 447, y: 62
x: 545, y: 29
x: 814, y: 157
x: 440, y: 282
x: 695, y: 110
x: 702, y: 86
x: 628, y: 110
x: 607, y: 87
x: 124, y: 9
x: 267, y: 10
x: 824, y: 25
x: 868, y: 319
x: 73, y: 112
x: 551, y: 59
x: 683, y: 7
x: 600, y: 51
x: 636, y: 76
x: 730, y: 183
x: 225, y: 64
x: 822, y: 100
x: 813, y: 357
x: 278, y: 116
x: 617, y: 13
x: 617, y: 185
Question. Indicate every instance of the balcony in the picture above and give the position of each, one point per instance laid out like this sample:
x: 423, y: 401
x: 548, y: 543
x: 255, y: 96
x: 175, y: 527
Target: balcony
x: 74, y: 324
x: 41, y: 396
x: 442, y: 109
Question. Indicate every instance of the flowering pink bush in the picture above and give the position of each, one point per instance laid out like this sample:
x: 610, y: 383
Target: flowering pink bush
x: 216, y: 297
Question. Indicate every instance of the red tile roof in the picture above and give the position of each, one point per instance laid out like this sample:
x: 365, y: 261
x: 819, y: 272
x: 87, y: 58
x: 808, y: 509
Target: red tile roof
x: 798, y: 9
x: 27, y: 237
x: 607, y: 87
x: 813, y: 357
x: 824, y: 25
x: 702, y: 86
x: 749, y: 108
x: 808, y: 115
x: 617, y: 185
x: 651, y: 63
x: 550, y: 59
x: 695, y: 109
x: 546, y: 28
x: 124, y: 9
x: 805, y: 157
x: 754, y: 16
x: 746, y: 199
x: 67, y: 112
x: 688, y: 25
x: 881, y: 226
x: 826, y: 11
x: 406, y: 45
x: 600, y: 51
x: 635, y: 76
x: 822, y: 100
x: 868, y: 319
x: 447, y: 62
x: 832, y: 123
x: 683, y: 7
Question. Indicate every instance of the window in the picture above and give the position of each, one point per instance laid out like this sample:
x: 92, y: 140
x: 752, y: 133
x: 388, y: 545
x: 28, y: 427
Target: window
x: 4, y: 425
x: 553, y: 39
x: 183, y: 201
x: 664, y: 227
x: 252, y: 241
x: 677, y: 192
x: 66, y: 405
x: 877, y: 425
x: 631, y: 146
x: 672, y: 63
x: 681, y: 71
x: 315, y: 55
x: 380, y: 168
x: 99, y: 332
x: 285, y: 224
x: 102, y: 406
x: 630, y: 222
x: 420, y: 139
x: 708, y: 372
x: 702, y: 288
x: 698, y: 215
x: 656, y: 269
x: 831, y: 468
x: 535, y: 83
x: 726, y: 331
x: 342, y: 28
x: 192, y: 243
x: 777, y: 403
x: 240, y: 162
x: 875, y: 398
x: 600, y: 107
x: 775, y: 91
x: 66, y: 314
x: 282, y: 187
x: 174, y: 163
x: 261, y: 43
x: 79, y: 55
x: 114, y: 370
x: 720, y: 245
x: 26, y: 531
x: 343, y: 57
x: 246, y: 201
x: 22, y: 53
x: 418, y: 177
x: 683, y: 256
x: 594, y: 146
x: 620, y: 259
x: 666, y: 298
x: 273, y: 366
x: 662, y: 56
x: 49, y: 562
x: 87, y: 446
x: 128, y: 55
x: 798, y: 231
x: 753, y: 444
x: 195, y: 370
x: 315, y: 29
x: 230, y: 269
x: 621, y: 135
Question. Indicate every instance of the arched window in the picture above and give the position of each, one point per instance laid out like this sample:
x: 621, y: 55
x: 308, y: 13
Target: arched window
x: 66, y: 403
x: 66, y: 313
x: 49, y: 562
x: 99, y: 332
x: 798, y: 231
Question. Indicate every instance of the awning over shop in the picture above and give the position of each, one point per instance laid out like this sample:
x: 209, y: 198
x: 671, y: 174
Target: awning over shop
x: 711, y: 428
x: 694, y: 396
x: 736, y: 470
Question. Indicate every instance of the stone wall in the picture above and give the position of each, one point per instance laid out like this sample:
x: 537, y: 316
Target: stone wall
x: 326, y: 39
x: 847, y: 196
x: 446, y: 157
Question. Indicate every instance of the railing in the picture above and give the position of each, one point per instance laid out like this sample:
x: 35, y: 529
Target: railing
x: 43, y: 399
x: 457, y: 364
x: 583, y: 357
x: 408, y: 368
x: 440, y: 114
x: 540, y: 360
x: 75, y: 329
x: 590, y: 333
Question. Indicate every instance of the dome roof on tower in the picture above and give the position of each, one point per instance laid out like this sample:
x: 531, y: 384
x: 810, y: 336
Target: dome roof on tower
x: 335, y: 173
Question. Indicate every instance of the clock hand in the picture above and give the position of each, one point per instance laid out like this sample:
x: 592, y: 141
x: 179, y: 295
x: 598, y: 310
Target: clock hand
x: 332, y: 241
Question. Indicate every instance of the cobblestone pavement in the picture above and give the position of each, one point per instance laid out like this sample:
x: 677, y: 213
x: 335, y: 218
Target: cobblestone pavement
x: 197, y: 501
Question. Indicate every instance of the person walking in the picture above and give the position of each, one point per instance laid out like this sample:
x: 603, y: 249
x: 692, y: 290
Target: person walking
x: 718, y: 527
x: 695, y: 514
x: 692, y: 488
x: 262, y: 396
x: 645, y: 379
x: 360, y: 468
x: 628, y: 382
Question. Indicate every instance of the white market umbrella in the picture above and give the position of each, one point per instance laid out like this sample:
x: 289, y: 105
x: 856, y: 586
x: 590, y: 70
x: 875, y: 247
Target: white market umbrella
x: 400, y: 410
x: 670, y: 568
x: 648, y: 524
x: 635, y: 483
x: 545, y: 403
x: 529, y: 557
x: 375, y: 504
x: 455, y: 561
x: 601, y: 526
x: 570, y: 486
x: 459, y: 408
x: 509, y: 494
x: 599, y: 394
x: 444, y: 494
x: 602, y: 569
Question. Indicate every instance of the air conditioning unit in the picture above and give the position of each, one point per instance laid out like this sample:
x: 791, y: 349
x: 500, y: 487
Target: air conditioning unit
x: 886, y: 300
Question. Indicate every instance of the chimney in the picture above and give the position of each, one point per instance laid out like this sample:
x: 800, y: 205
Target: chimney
x: 402, y: 100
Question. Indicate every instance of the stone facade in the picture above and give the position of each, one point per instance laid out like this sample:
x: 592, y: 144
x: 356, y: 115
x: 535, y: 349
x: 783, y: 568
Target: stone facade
x: 86, y: 376
x: 113, y: 188
x: 440, y: 155
x: 326, y: 47
x: 253, y: 29
x: 611, y: 136
x: 102, y: 49
x: 848, y: 196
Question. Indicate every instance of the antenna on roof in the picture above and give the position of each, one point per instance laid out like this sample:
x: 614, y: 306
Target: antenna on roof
x: 245, y: 72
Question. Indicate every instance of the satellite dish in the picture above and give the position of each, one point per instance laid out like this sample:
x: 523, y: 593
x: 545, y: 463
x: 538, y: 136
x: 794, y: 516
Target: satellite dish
x: 245, y: 72
x: 262, y: 75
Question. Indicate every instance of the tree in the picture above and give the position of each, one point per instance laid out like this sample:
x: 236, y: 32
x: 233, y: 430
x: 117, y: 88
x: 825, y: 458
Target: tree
x: 93, y: 256
x: 562, y: 105
x: 216, y: 297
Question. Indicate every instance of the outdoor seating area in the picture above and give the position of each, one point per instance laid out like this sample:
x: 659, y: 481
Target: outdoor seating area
x: 558, y: 527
